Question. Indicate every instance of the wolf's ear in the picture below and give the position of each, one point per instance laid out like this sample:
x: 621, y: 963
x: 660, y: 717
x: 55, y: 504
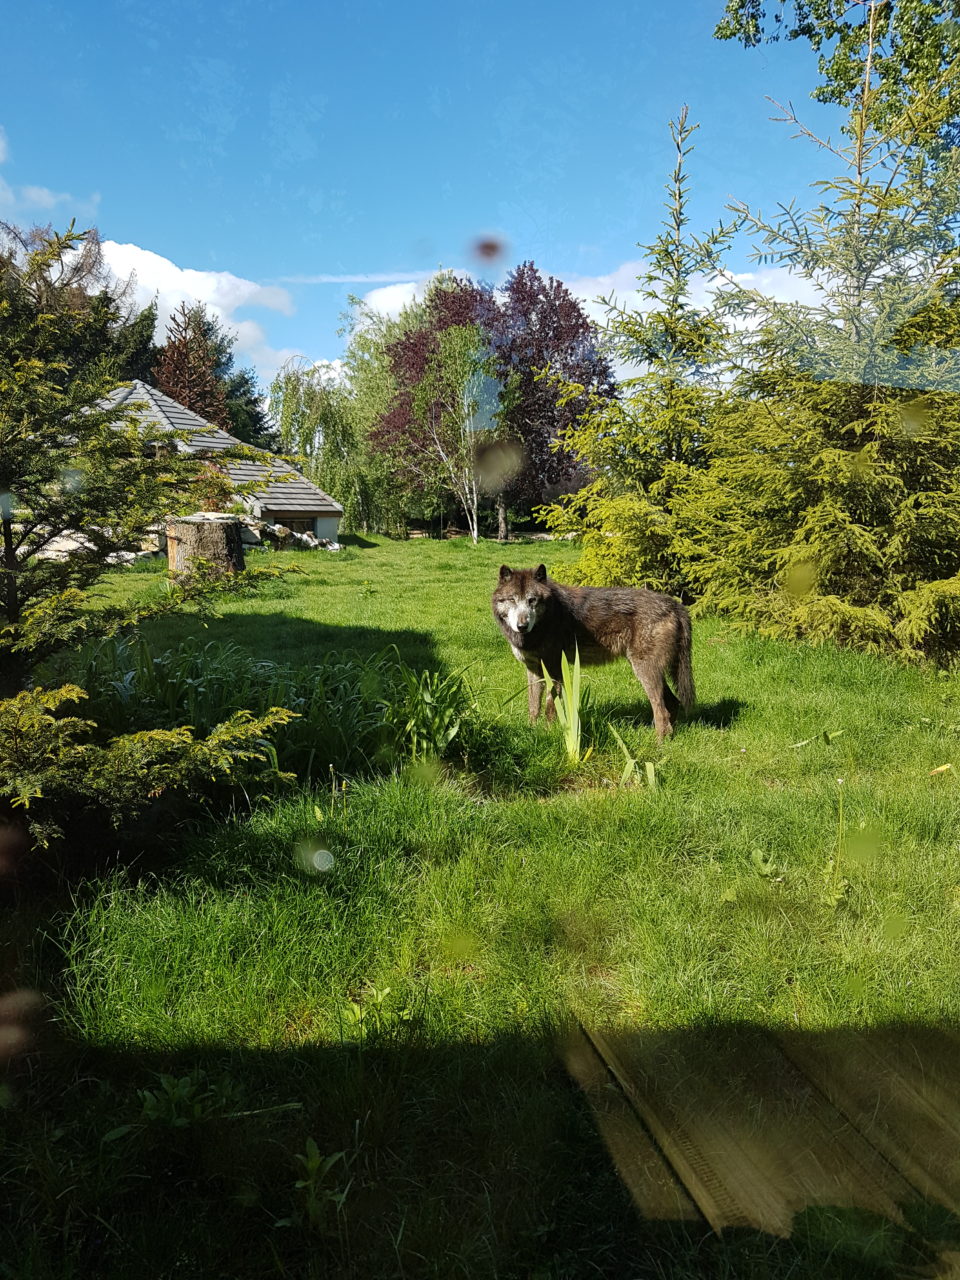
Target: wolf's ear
x: 505, y: 572
x: 540, y: 573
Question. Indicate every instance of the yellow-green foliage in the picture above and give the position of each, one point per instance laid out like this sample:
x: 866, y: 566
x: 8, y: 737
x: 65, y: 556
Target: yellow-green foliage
x: 625, y: 538
x: 51, y: 765
x: 832, y: 512
x: 640, y: 448
x: 814, y: 489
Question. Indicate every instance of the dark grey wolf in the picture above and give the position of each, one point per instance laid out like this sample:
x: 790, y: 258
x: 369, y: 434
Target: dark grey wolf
x: 543, y: 619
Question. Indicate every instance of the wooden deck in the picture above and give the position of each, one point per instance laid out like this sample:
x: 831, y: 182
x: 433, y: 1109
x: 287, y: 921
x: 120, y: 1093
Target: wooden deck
x: 739, y: 1128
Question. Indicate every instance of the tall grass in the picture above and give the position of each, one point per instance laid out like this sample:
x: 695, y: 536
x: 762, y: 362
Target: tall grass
x: 353, y: 714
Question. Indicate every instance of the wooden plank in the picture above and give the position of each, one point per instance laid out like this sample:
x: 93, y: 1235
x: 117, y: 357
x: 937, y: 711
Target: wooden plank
x: 685, y: 1156
x: 749, y: 1136
x: 901, y: 1089
x: 656, y: 1192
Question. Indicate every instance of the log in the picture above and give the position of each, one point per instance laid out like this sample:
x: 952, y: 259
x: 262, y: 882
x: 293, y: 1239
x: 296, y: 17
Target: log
x: 219, y: 543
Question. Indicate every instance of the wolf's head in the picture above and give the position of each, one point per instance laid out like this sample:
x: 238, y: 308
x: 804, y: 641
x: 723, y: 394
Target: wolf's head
x: 521, y: 597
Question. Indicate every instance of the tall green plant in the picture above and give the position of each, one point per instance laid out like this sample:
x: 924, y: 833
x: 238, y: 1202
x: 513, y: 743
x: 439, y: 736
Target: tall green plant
x: 912, y: 45
x: 571, y: 706
x: 831, y: 507
x: 641, y: 447
x: 315, y: 413
x: 80, y: 481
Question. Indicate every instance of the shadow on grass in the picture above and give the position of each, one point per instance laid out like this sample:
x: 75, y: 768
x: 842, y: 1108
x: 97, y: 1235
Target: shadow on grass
x: 401, y: 1157
x: 716, y: 715
x: 297, y: 641
x: 355, y: 540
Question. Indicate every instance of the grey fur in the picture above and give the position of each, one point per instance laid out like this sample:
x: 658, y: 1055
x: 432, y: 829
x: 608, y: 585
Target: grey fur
x: 543, y: 619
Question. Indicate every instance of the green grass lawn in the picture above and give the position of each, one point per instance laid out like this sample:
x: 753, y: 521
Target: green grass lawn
x: 401, y: 1007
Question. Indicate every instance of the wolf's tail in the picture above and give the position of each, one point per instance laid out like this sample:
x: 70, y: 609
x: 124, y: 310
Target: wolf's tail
x: 683, y: 668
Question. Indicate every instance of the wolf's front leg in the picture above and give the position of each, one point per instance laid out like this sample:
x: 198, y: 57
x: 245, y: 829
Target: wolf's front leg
x: 534, y: 693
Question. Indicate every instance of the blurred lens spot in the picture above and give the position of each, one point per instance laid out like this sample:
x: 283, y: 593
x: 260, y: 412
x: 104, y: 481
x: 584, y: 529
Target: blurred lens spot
x: 489, y: 249
x: 854, y: 985
x: 895, y: 925
x: 13, y: 845
x: 311, y: 860
x: 863, y: 846
x: 498, y: 463
x: 371, y: 685
x: 459, y: 945
x: 914, y: 417
x: 424, y: 251
x: 861, y: 462
x: 426, y: 772
x: 71, y: 479
x: 800, y: 578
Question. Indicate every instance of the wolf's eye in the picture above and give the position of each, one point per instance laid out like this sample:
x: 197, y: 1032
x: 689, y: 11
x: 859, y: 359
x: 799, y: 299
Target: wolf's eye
x: 531, y: 599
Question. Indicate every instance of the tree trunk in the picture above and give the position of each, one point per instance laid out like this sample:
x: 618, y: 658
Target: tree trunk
x: 11, y: 601
x: 14, y: 670
x: 503, y: 533
x: 216, y: 542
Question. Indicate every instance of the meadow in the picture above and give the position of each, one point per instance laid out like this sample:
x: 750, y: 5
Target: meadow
x: 319, y: 1035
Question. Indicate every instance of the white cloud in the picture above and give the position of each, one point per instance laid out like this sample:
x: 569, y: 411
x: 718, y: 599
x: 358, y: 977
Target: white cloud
x: 331, y: 371
x: 31, y: 197
x: 392, y: 298
x: 781, y: 284
x: 222, y: 292
x: 623, y: 284
x: 19, y: 202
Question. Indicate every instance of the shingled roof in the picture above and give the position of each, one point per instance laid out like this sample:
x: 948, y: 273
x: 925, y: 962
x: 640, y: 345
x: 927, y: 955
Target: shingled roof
x: 156, y: 410
x: 293, y: 494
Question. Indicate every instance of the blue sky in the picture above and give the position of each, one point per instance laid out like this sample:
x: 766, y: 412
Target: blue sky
x: 227, y: 151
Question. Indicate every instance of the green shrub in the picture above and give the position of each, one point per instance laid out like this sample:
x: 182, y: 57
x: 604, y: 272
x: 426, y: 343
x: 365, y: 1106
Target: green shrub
x: 355, y: 715
x: 54, y: 767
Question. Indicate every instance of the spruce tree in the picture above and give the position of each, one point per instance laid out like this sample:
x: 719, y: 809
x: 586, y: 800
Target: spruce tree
x: 187, y: 368
x: 831, y: 506
x: 80, y: 481
x: 641, y: 446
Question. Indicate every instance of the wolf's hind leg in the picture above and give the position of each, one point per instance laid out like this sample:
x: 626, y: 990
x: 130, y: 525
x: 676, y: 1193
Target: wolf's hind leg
x: 662, y: 700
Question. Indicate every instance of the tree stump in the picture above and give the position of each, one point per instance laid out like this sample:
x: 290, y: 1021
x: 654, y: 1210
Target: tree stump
x: 219, y: 543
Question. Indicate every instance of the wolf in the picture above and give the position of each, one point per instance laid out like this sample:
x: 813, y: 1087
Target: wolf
x: 543, y: 619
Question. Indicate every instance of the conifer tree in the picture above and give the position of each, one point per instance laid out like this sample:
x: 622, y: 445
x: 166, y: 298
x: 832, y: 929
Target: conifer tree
x: 80, y: 481
x: 187, y: 368
x: 641, y: 446
x: 831, y: 507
